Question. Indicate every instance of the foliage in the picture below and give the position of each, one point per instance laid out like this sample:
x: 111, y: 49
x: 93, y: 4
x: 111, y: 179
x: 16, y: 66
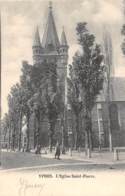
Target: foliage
x: 89, y: 71
x: 88, y: 66
x: 15, y: 103
x: 74, y: 100
x: 37, y: 93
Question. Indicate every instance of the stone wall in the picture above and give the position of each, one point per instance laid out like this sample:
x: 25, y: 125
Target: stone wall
x: 118, y: 130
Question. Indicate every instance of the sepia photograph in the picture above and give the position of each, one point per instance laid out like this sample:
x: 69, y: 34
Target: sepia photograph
x: 62, y: 98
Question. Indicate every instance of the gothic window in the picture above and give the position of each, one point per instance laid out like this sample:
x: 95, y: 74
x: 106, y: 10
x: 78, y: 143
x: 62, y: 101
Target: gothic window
x: 24, y: 139
x: 100, y: 113
x: 113, y: 111
x: 37, y: 51
x: 101, y: 126
x: 50, y: 47
x: 100, y: 123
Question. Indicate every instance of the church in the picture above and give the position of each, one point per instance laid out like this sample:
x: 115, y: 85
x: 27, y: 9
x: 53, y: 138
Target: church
x: 50, y: 49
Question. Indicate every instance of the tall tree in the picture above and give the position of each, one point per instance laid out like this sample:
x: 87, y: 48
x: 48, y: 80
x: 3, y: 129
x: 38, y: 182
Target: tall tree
x: 44, y: 102
x: 108, y: 86
x: 90, y: 73
x: 55, y: 107
x: 75, y: 102
x: 54, y: 101
x: 37, y: 102
x: 26, y: 85
x: 5, y: 128
x: 15, y: 102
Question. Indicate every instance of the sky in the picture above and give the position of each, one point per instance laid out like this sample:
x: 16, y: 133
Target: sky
x: 19, y: 19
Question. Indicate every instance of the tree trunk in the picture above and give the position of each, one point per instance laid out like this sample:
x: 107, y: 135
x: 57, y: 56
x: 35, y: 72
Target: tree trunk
x: 63, y: 132
x: 20, y: 128
x: 88, y: 135
x: 50, y: 144
x: 77, y: 133
x: 86, y: 143
x: 27, y: 147
x: 109, y: 117
x: 90, y: 144
x: 110, y: 141
x: 9, y: 139
x: 51, y: 141
x: 63, y: 140
x: 51, y: 136
x: 13, y: 139
x: 37, y: 129
x: 75, y: 146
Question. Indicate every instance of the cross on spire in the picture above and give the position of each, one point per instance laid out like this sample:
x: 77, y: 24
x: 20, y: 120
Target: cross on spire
x: 50, y: 5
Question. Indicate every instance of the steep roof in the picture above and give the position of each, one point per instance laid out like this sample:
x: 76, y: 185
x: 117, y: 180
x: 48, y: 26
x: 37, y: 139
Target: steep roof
x: 63, y: 38
x: 36, y: 41
x: 50, y: 36
x: 117, y: 90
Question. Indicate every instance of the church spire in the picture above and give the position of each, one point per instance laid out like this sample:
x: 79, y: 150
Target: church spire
x: 36, y: 41
x: 50, y: 4
x: 37, y: 49
x: 63, y: 38
x: 50, y: 37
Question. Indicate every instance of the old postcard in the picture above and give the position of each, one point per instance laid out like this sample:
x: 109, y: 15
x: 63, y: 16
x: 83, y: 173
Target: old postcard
x: 62, y: 98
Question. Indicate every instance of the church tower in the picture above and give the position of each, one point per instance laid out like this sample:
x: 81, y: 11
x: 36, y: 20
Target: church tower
x: 51, y: 49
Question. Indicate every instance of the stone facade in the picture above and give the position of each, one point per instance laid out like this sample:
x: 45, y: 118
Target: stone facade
x: 50, y: 50
x: 117, y: 124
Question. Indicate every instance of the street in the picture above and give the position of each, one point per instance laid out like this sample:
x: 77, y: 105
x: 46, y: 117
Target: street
x: 29, y: 162
x: 28, y: 174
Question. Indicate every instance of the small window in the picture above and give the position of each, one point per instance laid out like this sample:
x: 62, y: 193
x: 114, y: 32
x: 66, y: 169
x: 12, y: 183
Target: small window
x: 113, y: 111
x: 24, y: 139
x: 101, y: 126
x: 50, y: 47
x: 99, y: 106
x: 100, y: 113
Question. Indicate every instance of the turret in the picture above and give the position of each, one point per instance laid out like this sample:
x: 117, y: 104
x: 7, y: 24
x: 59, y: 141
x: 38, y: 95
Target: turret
x: 64, y: 47
x: 37, y: 48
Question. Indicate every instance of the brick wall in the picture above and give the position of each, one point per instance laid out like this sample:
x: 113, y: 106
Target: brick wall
x: 118, y: 131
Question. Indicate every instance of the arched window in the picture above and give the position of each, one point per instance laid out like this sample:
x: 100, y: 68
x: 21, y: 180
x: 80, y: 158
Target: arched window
x: 113, y: 111
x: 50, y: 47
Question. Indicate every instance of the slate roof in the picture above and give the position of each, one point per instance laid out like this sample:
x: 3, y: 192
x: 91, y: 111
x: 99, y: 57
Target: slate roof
x: 63, y: 39
x: 36, y: 41
x: 50, y: 35
x: 117, y: 90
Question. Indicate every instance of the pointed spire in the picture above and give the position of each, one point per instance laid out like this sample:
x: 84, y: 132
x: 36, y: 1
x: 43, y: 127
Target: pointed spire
x: 63, y: 38
x: 50, y: 36
x: 36, y: 41
x: 50, y: 4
